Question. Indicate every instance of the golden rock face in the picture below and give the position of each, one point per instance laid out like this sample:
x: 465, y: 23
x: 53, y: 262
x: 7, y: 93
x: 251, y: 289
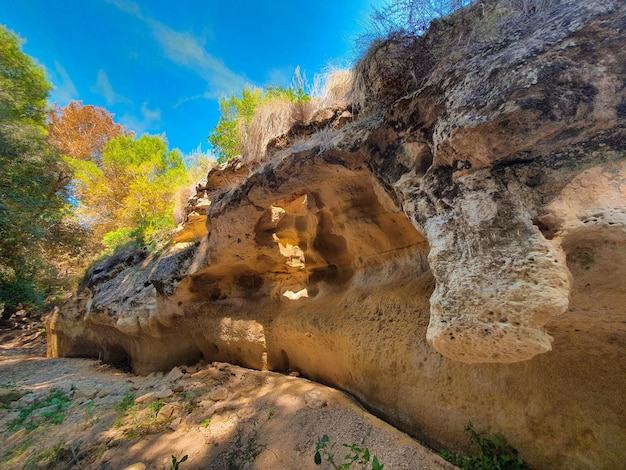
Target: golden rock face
x: 459, y: 257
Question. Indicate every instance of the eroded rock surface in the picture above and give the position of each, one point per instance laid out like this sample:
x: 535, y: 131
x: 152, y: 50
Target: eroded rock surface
x: 454, y: 255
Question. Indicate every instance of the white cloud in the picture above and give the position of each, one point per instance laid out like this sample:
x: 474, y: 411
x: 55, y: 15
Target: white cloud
x: 188, y: 51
x: 128, y: 7
x: 150, y: 115
x: 64, y: 90
x: 149, y: 121
x: 280, y: 76
x: 103, y: 88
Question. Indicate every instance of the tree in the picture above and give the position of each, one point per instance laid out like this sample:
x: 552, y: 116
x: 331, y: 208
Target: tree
x: 32, y: 176
x: 235, y: 112
x: 129, y: 193
x: 80, y: 131
x: 236, y: 133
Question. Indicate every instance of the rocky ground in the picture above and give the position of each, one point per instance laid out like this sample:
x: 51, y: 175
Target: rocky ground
x: 79, y: 413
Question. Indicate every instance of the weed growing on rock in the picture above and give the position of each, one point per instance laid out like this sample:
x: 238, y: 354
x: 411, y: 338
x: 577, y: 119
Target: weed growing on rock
x: 146, y: 421
x: 244, y: 452
x: 359, y: 454
x: 52, y: 457
x: 127, y: 402
x: 16, y: 451
x: 124, y: 407
x: 495, y: 454
x: 190, y: 401
x: 155, y: 406
x: 176, y: 463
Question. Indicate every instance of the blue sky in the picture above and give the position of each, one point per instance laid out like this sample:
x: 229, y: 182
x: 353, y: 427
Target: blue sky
x: 161, y: 65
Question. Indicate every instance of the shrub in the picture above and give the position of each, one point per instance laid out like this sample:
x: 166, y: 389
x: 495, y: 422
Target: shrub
x: 118, y: 238
x: 495, y: 454
x: 235, y: 112
x: 358, y: 454
x: 248, y: 122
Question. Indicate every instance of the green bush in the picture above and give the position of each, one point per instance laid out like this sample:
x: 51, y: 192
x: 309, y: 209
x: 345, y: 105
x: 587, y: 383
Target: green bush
x: 237, y: 112
x: 119, y: 238
x: 495, y: 454
x: 359, y: 454
x: 32, y: 188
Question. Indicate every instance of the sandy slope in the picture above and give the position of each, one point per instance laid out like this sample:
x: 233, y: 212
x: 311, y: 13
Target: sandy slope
x: 221, y: 416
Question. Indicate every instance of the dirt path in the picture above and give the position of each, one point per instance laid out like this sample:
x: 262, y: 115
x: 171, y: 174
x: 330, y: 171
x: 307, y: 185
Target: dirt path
x: 78, y: 413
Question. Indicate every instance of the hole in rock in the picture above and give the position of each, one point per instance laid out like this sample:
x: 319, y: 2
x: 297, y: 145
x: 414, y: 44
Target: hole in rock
x: 282, y: 364
x: 325, y: 273
x: 117, y: 357
x: 211, y: 353
x: 249, y: 281
x: 548, y: 230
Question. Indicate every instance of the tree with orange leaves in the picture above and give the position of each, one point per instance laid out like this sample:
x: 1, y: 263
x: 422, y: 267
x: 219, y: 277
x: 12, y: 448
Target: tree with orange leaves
x: 81, y: 131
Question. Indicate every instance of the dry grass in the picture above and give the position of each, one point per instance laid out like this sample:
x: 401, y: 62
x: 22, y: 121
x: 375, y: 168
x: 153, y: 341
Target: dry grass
x: 276, y: 117
x: 180, y: 202
x: 270, y: 119
x: 196, y: 175
x: 334, y: 88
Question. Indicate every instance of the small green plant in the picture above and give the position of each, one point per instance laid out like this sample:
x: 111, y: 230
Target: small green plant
x: 145, y: 420
x: 190, y: 401
x: 16, y: 451
x: 176, y: 463
x: 359, y: 454
x: 50, y: 457
x: 495, y: 454
x: 126, y: 406
x: 55, y: 404
x: 270, y: 413
x: 245, y: 452
x: 127, y: 402
x: 89, y: 412
x: 155, y: 406
x: 205, y: 423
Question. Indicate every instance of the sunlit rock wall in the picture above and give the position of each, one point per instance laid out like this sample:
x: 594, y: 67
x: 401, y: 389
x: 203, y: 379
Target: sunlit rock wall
x: 458, y: 256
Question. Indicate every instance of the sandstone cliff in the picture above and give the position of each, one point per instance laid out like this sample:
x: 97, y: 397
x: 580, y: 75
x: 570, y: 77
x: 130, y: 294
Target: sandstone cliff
x: 454, y: 254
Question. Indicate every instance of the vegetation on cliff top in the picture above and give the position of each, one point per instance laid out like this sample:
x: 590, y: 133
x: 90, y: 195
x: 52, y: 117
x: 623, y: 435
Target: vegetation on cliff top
x: 74, y: 181
x: 276, y: 109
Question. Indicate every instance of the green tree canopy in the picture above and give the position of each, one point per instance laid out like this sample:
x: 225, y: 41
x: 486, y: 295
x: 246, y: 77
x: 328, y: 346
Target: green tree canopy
x: 32, y: 175
x: 129, y: 191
